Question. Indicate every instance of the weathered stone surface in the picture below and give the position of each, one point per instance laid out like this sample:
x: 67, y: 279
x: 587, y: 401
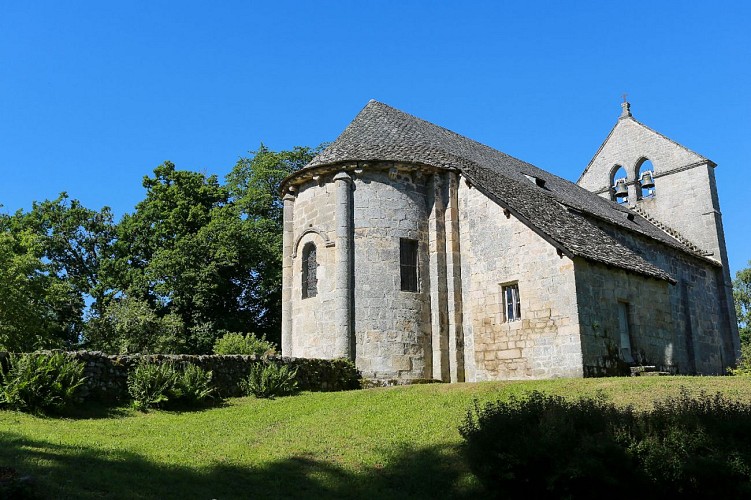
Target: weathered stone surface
x: 498, y: 250
x: 600, y: 284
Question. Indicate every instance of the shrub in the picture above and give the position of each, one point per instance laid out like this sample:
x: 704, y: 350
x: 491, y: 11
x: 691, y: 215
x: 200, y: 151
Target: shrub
x: 149, y: 384
x: 696, y: 445
x: 743, y: 366
x: 267, y: 380
x: 163, y: 385
x: 237, y: 343
x: 192, y: 386
x: 546, y: 447
x: 41, y: 383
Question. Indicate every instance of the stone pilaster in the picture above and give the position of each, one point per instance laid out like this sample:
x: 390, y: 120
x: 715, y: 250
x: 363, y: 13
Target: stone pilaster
x: 344, y: 266
x: 438, y: 288
x: 454, y: 282
x: 288, y: 242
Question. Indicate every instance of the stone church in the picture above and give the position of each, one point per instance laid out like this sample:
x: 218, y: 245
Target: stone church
x: 422, y: 254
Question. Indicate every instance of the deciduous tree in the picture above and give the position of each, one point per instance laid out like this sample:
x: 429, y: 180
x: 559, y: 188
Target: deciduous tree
x: 742, y: 298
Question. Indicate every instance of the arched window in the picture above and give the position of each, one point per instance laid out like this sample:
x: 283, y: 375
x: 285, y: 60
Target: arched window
x: 309, y: 271
x: 618, y: 185
x: 646, y: 176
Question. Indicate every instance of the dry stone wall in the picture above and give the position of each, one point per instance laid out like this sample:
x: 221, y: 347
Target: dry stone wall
x: 107, y: 375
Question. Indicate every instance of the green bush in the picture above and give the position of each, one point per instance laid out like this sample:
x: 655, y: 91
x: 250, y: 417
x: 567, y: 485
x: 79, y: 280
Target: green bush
x: 163, y: 385
x: 192, y: 386
x: 237, y: 343
x: 543, y: 446
x: 41, y: 383
x: 149, y: 384
x: 743, y: 366
x: 695, y: 445
x: 268, y: 380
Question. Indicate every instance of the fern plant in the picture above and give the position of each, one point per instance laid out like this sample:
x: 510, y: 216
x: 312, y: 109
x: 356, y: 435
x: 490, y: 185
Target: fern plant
x: 149, y: 384
x: 41, y: 383
x: 192, y: 386
x: 268, y: 380
x: 153, y: 385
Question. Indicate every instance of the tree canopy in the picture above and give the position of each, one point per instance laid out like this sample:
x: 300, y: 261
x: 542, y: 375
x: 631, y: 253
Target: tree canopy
x: 196, y: 259
x: 742, y: 298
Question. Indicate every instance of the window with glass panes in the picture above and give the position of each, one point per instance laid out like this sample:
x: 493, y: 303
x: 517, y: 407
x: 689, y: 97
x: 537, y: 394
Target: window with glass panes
x: 408, y: 264
x: 511, y: 302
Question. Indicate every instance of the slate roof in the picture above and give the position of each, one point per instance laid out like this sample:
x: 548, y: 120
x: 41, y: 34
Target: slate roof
x: 560, y: 211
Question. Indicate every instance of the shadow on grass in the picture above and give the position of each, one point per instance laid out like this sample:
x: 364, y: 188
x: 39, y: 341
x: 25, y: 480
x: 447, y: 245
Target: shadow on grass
x: 97, y: 410
x: 92, y: 410
x: 81, y: 472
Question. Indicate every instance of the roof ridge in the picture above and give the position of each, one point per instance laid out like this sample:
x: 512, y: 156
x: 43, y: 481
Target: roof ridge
x: 382, y: 133
x: 670, y: 140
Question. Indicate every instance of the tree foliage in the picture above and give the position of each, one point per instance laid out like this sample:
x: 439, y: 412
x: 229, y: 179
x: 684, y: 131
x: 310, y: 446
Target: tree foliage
x: 38, y: 308
x: 742, y: 298
x: 195, y: 260
x: 77, y: 243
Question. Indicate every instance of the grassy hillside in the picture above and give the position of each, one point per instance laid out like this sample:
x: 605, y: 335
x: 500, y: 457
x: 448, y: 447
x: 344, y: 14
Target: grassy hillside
x: 396, y: 442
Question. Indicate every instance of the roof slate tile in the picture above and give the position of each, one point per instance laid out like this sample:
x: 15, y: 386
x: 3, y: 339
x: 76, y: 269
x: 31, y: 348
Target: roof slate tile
x: 560, y: 212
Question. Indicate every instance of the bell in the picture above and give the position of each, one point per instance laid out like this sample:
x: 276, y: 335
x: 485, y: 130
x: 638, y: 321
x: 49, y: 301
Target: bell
x: 647, y: 182
x: 621, y: 191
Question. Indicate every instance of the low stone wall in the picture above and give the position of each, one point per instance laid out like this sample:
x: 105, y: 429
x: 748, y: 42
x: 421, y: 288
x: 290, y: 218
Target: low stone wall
x: 107, y: 375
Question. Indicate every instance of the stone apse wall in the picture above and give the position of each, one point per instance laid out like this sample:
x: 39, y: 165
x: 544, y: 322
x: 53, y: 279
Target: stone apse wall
x: 356, y: 220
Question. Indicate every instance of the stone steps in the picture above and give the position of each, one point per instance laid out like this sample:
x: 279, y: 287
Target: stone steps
x: 647, y: 371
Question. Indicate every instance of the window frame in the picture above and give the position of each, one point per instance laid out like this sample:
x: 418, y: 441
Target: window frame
x: 307, y: 250
x: 409, y: 251
x: 624, y: 331
x: 515, y: 302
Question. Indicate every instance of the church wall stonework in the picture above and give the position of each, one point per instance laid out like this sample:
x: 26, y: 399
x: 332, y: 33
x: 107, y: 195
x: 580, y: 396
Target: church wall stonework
x: 685, y: 196
x: 651, y: 324
x: 601, y: 287
x: 313, y: 317
x: 681, y: 327
x: 497, y: 250
x: 392, y: 327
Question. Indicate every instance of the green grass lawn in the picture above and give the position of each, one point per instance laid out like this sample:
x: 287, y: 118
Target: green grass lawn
x: 377, y: 443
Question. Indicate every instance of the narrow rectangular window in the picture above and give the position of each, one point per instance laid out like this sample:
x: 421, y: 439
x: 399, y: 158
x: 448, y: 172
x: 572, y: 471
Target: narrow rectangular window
x: 408, y: 264
x: 309, y: 271
x: 625, y: 330
x: 511, y: 303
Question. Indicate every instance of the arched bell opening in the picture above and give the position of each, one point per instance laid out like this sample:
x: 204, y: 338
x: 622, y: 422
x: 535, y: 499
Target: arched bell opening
x: 645, y: 173
x: 618, y: 185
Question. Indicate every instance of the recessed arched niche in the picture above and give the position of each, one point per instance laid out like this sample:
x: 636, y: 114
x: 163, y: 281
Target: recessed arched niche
x: 619, y: 184
x: 645, y: 173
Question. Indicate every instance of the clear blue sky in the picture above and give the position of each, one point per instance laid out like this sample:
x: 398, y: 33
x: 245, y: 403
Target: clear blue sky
x: 94, y: 95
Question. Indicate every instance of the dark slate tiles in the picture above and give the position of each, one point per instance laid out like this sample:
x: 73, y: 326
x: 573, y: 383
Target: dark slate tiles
x: 560, y: 210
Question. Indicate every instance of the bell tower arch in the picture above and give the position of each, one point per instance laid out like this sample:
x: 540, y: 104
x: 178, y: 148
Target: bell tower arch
x: 665, y: 182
